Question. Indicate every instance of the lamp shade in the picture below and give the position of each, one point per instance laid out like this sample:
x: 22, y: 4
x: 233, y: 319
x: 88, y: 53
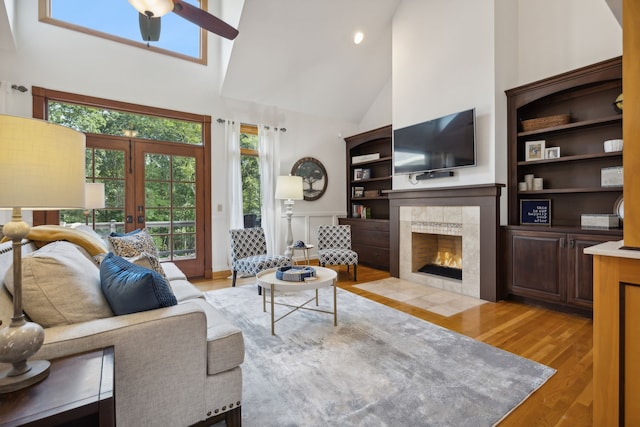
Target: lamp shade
x: 94, y: 195
x: 42, y: 165
x: 289, y: 187
x: 156, y: 7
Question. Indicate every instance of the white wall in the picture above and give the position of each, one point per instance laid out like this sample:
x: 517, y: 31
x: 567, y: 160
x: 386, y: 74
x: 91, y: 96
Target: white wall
x: 59, y: 59
x: 560, y: 35
x: 443, y: 62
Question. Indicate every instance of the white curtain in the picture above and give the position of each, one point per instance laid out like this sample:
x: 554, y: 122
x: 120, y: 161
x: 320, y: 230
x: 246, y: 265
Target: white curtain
x: 268, y: 148
x: 234, y: 177
x: 5, y: 92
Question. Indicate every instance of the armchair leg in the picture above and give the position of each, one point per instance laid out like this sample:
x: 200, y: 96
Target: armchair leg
x: 233, y: 280
x: 355, y: 272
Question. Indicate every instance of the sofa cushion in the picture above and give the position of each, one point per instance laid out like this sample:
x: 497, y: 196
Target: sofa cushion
x: 225, y: 342
x: 172, y: 271
x: 130, y: 288
x: 131, y: 245
x: 60, y: 286
x: 184, y: 290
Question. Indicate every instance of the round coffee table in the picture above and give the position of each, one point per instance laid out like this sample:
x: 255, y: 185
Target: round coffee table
x: 325, y: 277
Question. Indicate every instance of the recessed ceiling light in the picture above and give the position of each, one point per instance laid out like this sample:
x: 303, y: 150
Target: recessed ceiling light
x: 358, y: 37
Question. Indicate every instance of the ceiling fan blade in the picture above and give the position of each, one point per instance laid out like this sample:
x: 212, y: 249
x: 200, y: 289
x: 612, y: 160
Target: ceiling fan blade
x: 149, y: 28
x: 204, y: 19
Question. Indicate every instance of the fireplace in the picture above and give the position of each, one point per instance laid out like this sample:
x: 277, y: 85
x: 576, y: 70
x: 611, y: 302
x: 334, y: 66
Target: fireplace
x: 465, y: 217
x: 438, y: 254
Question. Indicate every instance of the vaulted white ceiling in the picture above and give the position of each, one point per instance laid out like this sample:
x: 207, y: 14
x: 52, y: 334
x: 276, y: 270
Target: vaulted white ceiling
x: 299, y: 55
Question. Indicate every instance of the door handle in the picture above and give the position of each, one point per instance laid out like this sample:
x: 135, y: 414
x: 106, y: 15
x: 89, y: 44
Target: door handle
x: 129, y: 219
x: 140, y: 219
x: 572, y: 243
x: 562, y: 243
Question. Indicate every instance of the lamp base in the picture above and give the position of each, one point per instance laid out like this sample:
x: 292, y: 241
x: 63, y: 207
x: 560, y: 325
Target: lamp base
x: 39, y: 371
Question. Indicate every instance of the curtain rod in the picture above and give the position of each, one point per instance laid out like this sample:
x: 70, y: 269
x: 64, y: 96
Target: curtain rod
x: 19, y: 88
x: 267, y: 127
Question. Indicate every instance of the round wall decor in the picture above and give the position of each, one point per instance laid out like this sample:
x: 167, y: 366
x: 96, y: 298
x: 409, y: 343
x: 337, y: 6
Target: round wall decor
x: 314, y: 177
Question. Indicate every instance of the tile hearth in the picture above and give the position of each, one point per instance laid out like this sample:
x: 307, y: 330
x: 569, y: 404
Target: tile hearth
x: 435, y: 300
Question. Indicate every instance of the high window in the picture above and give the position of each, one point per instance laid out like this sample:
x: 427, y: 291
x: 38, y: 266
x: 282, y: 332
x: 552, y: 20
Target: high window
x: 250, y: 171
x: 118, y: 21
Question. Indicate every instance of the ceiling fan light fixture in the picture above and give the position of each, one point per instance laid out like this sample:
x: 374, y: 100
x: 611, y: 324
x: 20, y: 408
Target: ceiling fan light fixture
x: 156, y: 8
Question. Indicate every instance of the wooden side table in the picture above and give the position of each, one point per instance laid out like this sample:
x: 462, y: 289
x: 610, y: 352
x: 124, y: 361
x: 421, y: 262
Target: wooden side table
x: 304, y: 248
x: 79, y: 391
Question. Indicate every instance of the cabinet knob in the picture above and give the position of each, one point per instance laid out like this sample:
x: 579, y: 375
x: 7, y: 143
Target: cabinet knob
x: 572, y: 244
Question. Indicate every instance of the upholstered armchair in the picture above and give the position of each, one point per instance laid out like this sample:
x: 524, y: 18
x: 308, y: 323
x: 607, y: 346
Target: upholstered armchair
x: 334, y: 247
x: 249, y: 253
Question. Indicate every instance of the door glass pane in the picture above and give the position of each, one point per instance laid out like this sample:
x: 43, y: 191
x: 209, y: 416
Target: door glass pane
x: 107, y: 167
x: 170, y: 204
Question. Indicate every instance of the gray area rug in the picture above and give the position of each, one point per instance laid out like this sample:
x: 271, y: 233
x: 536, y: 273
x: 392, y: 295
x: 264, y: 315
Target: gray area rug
x: 378, y: 367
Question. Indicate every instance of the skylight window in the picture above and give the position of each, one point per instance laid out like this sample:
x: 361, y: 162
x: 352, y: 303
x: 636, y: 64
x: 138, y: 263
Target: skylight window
x: 118, y: 20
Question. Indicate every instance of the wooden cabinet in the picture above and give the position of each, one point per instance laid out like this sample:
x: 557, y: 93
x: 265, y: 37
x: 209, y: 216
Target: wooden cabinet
x: 550, y: 266
x: 546, y: 262
x: 367, y: 201
x: 370, y: 239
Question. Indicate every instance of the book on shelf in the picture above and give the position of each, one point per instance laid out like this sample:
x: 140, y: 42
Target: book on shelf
x: 360, y: 211
x: 357, y: 192
x: 365, y: 158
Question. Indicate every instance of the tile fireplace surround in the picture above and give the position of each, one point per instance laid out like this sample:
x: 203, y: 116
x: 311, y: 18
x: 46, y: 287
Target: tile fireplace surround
x: 473, y: 211
x: 463, y: 221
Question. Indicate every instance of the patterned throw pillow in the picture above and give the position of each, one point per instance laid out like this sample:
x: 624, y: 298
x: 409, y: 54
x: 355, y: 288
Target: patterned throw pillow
x: 151, y: 262
x: 132, y: 245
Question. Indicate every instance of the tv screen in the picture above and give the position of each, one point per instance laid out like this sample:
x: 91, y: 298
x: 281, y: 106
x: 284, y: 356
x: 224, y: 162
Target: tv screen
x: 444, y: 143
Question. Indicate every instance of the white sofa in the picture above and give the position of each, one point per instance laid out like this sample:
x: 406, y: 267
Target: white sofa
x: 174, y: 366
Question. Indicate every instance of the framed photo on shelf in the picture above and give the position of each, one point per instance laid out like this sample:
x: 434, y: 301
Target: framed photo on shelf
x: 366, y: 173
x: 535, y: 211
x: 357, y: 174
x: 358, y: 191
x: 552, y: 153
x: 534, y: 150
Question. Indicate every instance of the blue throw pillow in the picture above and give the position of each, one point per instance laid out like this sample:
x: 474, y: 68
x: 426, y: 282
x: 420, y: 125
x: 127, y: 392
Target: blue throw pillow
x: 131, y: 233
x: 130, y: 288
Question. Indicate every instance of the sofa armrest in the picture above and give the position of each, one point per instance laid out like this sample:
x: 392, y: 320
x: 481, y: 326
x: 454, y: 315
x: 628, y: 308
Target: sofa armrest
x: 160, y: 361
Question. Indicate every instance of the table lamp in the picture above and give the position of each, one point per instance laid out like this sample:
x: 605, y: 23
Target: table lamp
x: 42, y: 166
x: 289, y: 188
x: 93, y: 198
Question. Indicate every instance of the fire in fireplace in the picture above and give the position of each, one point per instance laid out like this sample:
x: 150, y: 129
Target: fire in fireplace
x: 437, y: 254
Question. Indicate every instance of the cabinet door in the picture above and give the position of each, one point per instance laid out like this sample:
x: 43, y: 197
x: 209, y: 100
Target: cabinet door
x: 580, y: 271
x: 538, y: 261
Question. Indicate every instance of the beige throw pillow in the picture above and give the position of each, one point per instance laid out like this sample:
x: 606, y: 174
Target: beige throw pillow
x: 60, y: 286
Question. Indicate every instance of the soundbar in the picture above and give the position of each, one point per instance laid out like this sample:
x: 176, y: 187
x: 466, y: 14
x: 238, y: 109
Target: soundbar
x: 434, y: 174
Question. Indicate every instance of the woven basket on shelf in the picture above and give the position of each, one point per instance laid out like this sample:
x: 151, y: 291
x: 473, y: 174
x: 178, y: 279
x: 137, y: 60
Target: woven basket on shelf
x: 545, y: 122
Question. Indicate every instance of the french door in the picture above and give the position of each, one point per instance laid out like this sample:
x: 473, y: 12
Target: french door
x: 154, y: 185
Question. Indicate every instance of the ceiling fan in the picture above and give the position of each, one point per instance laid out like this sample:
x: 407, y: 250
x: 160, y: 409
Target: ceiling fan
x: 152, y: 10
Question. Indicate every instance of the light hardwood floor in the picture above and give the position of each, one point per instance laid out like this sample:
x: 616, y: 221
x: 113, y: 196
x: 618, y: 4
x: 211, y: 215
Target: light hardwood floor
x: 562, y: 341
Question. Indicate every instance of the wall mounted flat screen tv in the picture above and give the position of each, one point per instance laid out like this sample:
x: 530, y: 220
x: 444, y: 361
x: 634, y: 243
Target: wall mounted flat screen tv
x: 447, y: 142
